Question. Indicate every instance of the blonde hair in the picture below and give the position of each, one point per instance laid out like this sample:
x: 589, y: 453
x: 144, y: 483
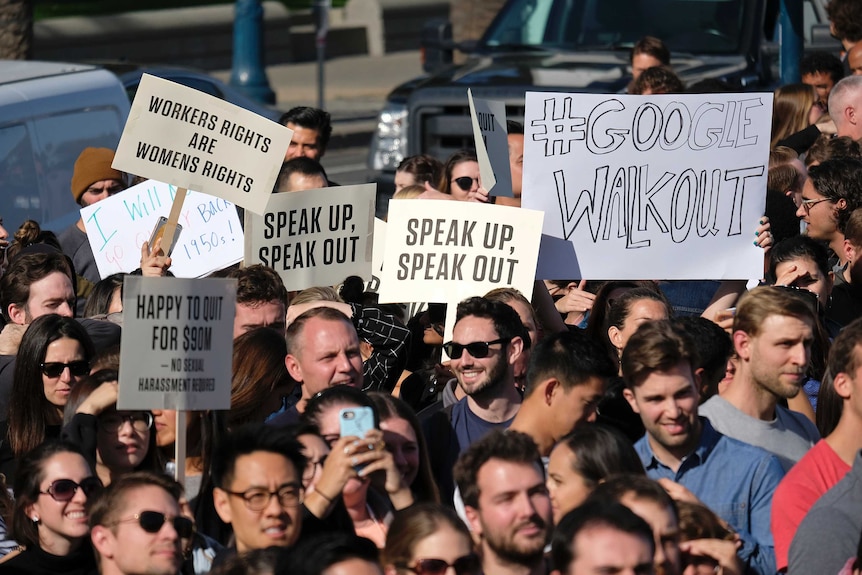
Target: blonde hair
x: 408, y: 192
x: 317, y: 293
x: 790, y: 110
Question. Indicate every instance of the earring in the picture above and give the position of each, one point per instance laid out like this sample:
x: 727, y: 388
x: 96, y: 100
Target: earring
x: 36, y: 519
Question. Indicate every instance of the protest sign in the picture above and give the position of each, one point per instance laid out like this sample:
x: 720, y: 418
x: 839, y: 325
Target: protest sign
x: 177, y: 343
x: 192, y: 140
x: 117, y: 226
x: 438, y: 251
x: 648, y: 187
x: 373, y: 285
x: 314, y: 237
x: 492, y: 144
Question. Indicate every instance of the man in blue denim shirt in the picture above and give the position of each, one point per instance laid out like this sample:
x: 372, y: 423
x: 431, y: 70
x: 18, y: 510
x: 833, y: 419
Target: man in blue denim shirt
x: 686, y: 454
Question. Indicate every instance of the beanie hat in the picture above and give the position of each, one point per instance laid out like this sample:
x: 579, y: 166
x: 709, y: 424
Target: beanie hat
x: 93, y: 165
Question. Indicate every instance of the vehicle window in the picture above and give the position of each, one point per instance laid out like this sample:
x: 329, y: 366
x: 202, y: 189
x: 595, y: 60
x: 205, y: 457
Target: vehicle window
x: 61, y: 138
x: 17, y: 177
x: 696, y: 26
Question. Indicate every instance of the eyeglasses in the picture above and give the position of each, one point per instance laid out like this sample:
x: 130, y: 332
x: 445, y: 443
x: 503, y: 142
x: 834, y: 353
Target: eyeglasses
x: 466, y: 565
x: 311, y: 468
x: 140, y: 420
x: 808, y: 204
x: 65, y: 489
x: 465, y: 182
x: 76, y: 368
x: 152, y: 522
x: 257, y: 499
x: 477, y: 349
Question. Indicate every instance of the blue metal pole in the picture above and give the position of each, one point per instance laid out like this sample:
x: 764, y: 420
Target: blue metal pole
x: 791, y: 40
x: 247, y: 73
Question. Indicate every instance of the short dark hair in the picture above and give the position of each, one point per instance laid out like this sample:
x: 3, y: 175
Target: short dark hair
x: 820, y: 61
x: 111, y: 503
x: 299, y: 165
x: 846, y: 17
x: 258, y: 284
x: 250, y: 438
x: 712, y: 346
x: 639, y: 486
x: 843, y: 354
x: 569, y: 356
x: 658, y: 80
x: 798, y: 247
x: 513, y: 127
x: 312, y: 119
x: 423, y: 168
x: 27, y: 269
x: 590, y: 515
x: 509, y: 446
x: 652, y: 46
x: 316, y: 554
x: 506, y: 321
x: 838, y: 179
x: 825, y: 147
x: 655, y: 346
x: 338, y: 394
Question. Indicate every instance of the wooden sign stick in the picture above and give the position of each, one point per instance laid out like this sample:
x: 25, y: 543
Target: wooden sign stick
x: 170, y: 228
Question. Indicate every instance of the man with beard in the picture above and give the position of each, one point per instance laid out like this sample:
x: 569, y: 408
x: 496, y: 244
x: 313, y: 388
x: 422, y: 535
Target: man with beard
x: 772, y: 335
x: 487, y: 340
x: 685, y: 454
x: 507, y: 505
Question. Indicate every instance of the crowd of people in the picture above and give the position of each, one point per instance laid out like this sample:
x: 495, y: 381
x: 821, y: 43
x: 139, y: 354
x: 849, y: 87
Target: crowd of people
x: 587, y: 427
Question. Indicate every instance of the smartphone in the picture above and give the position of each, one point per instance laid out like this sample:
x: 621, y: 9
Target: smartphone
x: 159, y: 231
x: 355, y: 421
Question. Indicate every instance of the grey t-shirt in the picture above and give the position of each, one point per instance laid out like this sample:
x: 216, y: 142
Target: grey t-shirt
x: 829, y: 534
x: 789, y: 436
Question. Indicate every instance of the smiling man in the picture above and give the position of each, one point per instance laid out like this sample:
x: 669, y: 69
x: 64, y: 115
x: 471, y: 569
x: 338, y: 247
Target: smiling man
x: 772, y: 336
x: 258, y: 479
x: 685, y: 453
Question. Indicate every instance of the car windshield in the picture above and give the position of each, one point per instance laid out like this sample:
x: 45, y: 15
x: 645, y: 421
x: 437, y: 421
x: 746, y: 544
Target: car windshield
x: 686, y: 26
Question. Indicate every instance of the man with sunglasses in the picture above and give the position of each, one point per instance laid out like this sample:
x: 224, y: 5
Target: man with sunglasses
x: 773, y: 331
x: 258, y: 487
x: 137, y: 527
x: 487, y: 340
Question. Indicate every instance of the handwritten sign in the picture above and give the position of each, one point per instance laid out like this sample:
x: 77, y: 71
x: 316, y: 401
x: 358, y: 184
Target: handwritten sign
x: 177, y: 343
x: 435, y: 253
x: 314, y: 237
x: 492, y: 144
x: 117, y: 226
x: 192, y: 140
x: 637, y: 187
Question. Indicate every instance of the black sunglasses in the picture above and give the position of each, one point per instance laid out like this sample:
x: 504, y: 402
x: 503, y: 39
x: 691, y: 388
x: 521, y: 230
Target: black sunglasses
x: 477, y: 349
x: 152, y: 521
x: 465, y: 182
x: 65, y: 489
x: 76, y: 368
x: 809, y: 297
x: 466, y: 565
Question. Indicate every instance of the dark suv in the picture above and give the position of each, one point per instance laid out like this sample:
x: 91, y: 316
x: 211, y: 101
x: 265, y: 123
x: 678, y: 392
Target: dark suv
x: 578, y: 46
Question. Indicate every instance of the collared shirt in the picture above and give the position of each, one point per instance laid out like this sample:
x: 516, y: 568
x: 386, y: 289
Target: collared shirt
x: 734, y: 479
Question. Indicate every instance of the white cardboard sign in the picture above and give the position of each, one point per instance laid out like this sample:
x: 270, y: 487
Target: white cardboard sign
x: 443, y: 252
x: 646, y: 187
x: 192, y: 140
x: 117, y: 226
x: 492, y: 144
x: 314, y: 237
x: 177, y: 343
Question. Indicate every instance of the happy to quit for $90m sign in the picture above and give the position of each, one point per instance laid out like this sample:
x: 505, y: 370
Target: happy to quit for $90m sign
x: 177, y: 343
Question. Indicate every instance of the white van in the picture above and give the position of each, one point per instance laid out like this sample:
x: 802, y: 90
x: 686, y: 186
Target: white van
x: 50, y: 112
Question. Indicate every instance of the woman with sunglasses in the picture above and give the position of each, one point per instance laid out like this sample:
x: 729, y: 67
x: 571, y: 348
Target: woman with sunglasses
x: 349, y: 470
x: 114, y: 442
x: 427, y: 539
x: 54, y: 355
x: 50, y: 517
x: 460, y: 178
